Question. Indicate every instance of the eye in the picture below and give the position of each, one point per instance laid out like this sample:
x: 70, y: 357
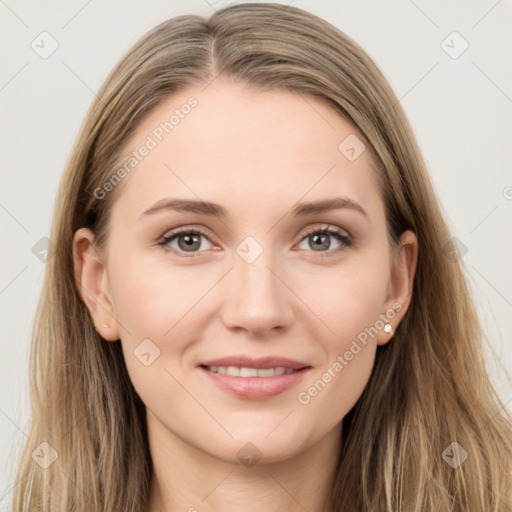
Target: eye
x: 319, y: 239
x: 188, y: 240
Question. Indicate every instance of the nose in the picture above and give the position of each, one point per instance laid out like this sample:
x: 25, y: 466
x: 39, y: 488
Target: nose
x: 258, y: 300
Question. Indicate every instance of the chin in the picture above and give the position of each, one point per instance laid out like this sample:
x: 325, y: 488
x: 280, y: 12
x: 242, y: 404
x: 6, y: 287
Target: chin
x: 255, y: 446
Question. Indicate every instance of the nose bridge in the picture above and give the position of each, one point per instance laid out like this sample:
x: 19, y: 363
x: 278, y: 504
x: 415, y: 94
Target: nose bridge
x: 257, y: 300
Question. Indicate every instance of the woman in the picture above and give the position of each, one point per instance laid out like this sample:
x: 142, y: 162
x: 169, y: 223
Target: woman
x: 250, y: 303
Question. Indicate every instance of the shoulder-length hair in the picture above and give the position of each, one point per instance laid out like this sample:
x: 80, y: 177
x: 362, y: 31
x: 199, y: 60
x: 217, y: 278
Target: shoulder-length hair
x: 429, y: 387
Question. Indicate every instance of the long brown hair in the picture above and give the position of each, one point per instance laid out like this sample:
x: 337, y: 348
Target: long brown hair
x: 429, y: 387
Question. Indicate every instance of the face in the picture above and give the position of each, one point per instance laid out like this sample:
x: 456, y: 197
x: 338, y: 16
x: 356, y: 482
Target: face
x: 259, y: 281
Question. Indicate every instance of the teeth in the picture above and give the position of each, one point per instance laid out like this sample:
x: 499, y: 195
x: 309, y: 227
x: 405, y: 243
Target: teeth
x: 249, y: 372
x: 265, y: 372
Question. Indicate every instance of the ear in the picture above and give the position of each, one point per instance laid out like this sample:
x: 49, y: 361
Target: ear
x: 92, y: 283
x: 400, y: 287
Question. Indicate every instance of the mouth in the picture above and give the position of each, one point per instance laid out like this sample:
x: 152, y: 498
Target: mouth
x: 254, y: 379
x: 244, y: 371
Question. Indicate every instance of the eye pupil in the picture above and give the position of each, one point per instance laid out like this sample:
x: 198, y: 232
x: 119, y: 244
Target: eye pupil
x: 190, y: 240
x: 325, y: 245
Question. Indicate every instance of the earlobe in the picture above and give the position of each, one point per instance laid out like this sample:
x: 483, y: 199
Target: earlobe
x: 401, y: 284
x: 92, y: 284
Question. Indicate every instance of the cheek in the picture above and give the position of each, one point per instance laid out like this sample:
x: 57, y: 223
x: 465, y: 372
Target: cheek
x: 335, y: 388
x: 160, y: 303
x: 351, y: 310
x: 151, y: 299
x: 346, y: 299
x: 349, y: 302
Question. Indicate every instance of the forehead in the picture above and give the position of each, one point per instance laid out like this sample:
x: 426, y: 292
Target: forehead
x: 235, y: 145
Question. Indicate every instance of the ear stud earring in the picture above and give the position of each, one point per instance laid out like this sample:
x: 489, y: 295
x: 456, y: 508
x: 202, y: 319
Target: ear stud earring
x: 105, y: 325
x: 387, y: 328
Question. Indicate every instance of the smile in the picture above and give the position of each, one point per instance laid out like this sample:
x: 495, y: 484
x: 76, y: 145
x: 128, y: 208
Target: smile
x: 243, y: 371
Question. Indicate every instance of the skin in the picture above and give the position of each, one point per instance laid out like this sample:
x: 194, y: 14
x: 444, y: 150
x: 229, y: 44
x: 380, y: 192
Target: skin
x: 257, y: 154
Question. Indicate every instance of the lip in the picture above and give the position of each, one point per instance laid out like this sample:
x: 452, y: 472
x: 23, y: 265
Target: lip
x: 255, y: 388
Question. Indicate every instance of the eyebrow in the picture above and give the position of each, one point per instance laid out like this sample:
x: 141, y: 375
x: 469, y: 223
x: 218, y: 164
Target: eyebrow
x: 216, y: 210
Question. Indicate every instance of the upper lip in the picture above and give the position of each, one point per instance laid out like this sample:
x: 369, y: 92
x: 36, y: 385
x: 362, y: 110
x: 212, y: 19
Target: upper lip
x: 261, y: 362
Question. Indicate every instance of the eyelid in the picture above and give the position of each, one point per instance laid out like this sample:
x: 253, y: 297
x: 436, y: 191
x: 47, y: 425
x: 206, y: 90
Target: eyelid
x: 326, y: 227
x: 185, y: 229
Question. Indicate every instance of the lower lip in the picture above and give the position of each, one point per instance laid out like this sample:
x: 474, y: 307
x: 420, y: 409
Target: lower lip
x: 255, y: 388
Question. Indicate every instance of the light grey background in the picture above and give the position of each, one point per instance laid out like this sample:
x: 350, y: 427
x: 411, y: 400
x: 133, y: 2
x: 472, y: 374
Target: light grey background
x: 460, y: 109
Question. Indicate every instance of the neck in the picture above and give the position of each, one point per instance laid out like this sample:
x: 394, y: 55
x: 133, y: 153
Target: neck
x: 187, y: 479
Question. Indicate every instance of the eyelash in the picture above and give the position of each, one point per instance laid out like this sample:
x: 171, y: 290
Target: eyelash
x: 345, y: 240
